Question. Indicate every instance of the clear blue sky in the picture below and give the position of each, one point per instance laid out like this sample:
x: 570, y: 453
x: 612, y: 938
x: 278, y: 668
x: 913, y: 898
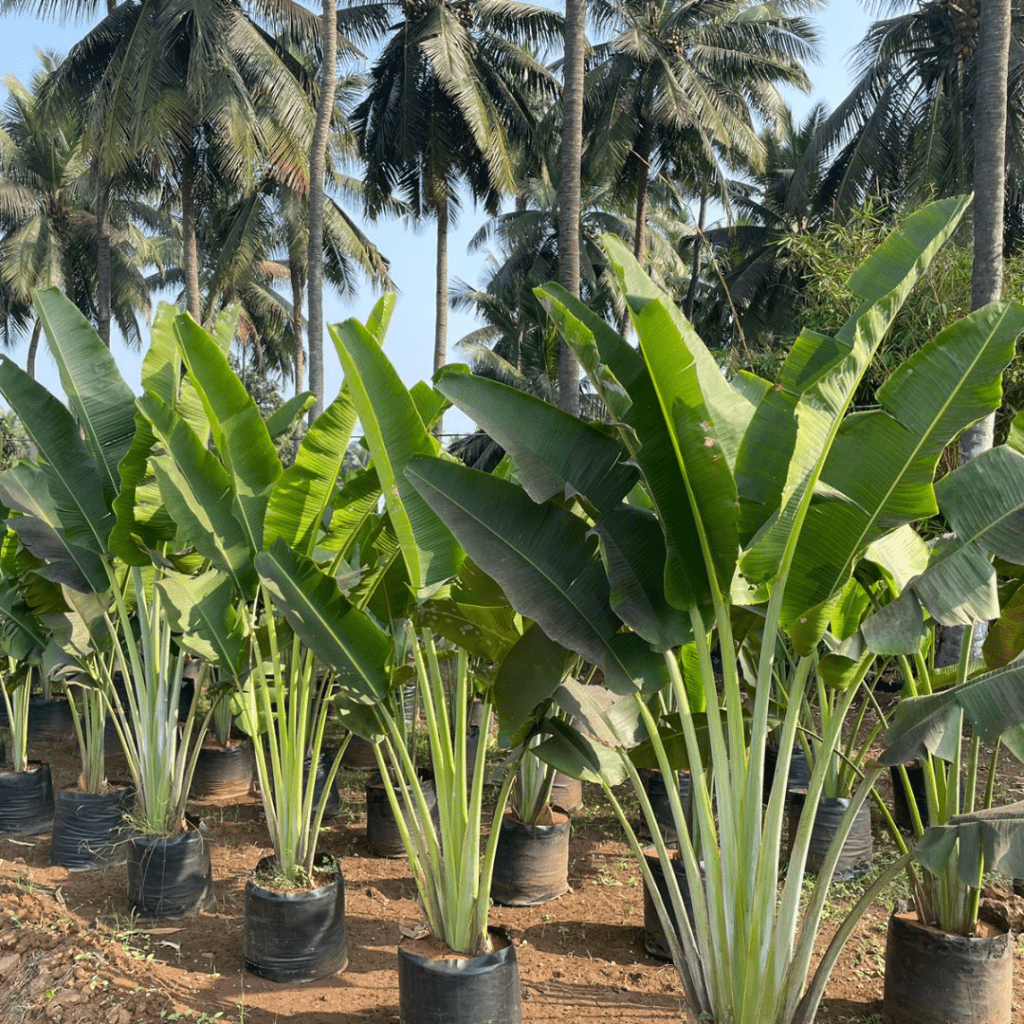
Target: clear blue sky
x: 842, y: 24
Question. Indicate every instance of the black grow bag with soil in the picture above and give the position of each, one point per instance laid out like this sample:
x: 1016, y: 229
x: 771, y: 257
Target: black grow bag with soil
x: 26, y: 801
x: 171, y: 876
x: 222, y: 771
x: 359, y: 755
x: 799, y: 771
x: 655, y: 941
x: 933, y: 977
x: 49, y: 720
x: 295, y: 936
x: 464, y: 990
x: 531, y: 862
x: 89, y: 828
x: 657, y: 793
x: 382, y: 834
x: 855, y: 857
x: 567, y: 793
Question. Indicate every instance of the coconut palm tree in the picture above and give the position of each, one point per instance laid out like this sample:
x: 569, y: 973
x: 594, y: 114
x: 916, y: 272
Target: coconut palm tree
x: 49, y: 221
x: 683, y: 82
x: 571, y: 185
x: 907, y: 128
x: 259, y: 245
x: 759, y: 281
x: 516, y: 343
x: 454, y: 82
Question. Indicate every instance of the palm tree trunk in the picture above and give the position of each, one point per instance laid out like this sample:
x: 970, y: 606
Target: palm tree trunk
x: 441, y: 290
x: 189, y: 244
x: 698, y: 243
x: 103, y: 261
x: 570, y: 189
x: 643, y: 156
x: 989, y: 190
x: 317, y: 172
x: 33, y: 347
x: 295, y: 275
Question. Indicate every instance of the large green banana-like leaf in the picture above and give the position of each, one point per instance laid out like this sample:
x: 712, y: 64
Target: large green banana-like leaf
x: 567, y: 750
x: 26, y: 488
x: 551, y: 449
x: 608, y: 361
x: 72, y: 476
x: 730, y: 409
x: 162, y: 372
x: 352, y: 507
x: 282, y: 420
x: 633, y: 550
x: 395, y: 434
x: 476, y: 615
x: 379, y: 320
x: 621, y: 377
x: 902, y: 554
x: 991, y: 839
x: 879, y: 471
x: 140, y: 511
x: 527, y: 677
x: 340, y: 635
x: 430, y: 404
x: 238, y: 428
x: 540, y: 556
x: 102, y: 403
x: 22, y: 636
x: 695, y: 435
x: 305, y: 489
x: 1005, y: 640
x: 983, y: 503
x: 198, y: 493
x: 16, y: 609
x: 785, y: 447
x: 993, y: 703
x: 203, y: 612
x: 611, y: 719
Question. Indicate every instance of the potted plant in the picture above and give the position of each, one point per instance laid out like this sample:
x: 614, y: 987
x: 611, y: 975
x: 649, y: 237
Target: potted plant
x: 758, y: 501
x: 26, y: 787
x: 225, y: 764
x: 458, y: 969
x: 169, y: 868
x: 78, y: 514
x: 236, y: 503
x: 844, y: 768
x: 89, y: 823
x: 939, y: 957
x: 531, y: 863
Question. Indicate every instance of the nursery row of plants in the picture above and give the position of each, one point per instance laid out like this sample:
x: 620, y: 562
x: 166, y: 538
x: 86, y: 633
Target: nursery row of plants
x: 724, y: 562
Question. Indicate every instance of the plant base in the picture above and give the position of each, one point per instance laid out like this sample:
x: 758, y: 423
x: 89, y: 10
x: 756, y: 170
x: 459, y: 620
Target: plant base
x: 382, y: 834
x: 26, y: 801
x: 89, y: 828
x: 857, y: 852
x: 295, y: 936
x: 932, y: 977
x: 657, y: 793
x: 170, y: 876
x: 567, y: 793
x: 655, y: 941
x: 531, y: 863
x: 223, y: 771
x: 465, y: 990
x: 49, y: 720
